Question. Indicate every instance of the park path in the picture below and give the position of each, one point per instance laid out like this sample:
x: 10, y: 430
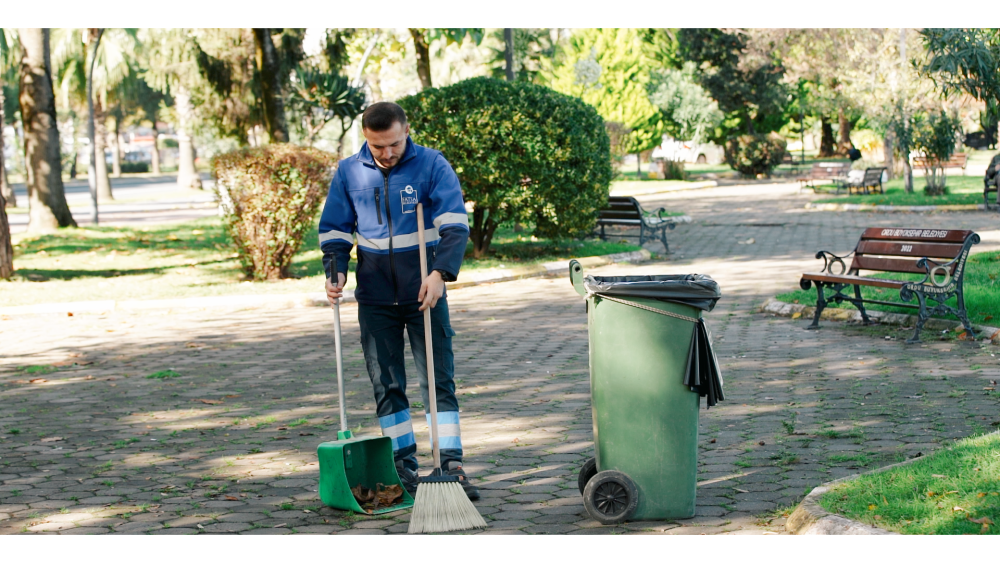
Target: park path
x: 99, y: 447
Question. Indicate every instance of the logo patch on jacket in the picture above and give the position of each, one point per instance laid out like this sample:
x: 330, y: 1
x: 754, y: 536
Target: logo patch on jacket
x: 409, y: 198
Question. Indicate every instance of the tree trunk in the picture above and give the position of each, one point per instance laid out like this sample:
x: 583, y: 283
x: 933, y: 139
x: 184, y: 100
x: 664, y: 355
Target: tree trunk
x: 76, y: 151
x: 155, y: 154
x: 187, y: 176
x: 845, y: 133
x: 508, y: 53
x: 423, y: 53
x: 6, y: 250
x: 483, y: 227
x: 116, y: 150
x: 270, y: 82
x: 6, y: 191
x: 888, y: 159
x: 100, y: 145
x: 826, y: 140
x: 46, y: 196
x: 907, y: 175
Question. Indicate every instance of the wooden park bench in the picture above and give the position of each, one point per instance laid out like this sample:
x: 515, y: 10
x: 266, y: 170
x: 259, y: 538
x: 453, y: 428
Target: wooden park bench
x: 825, y: 173
x: 957, y: 160
x: 939, y: 255
x: 872, y: 179
x: 626, y: 211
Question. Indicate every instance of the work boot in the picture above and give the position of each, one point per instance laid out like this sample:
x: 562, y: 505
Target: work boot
x: 455, y: 468
x: 408, y: 478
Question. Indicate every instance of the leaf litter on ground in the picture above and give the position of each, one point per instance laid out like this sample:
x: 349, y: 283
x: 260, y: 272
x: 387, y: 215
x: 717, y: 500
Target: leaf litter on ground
x: 381, y: 496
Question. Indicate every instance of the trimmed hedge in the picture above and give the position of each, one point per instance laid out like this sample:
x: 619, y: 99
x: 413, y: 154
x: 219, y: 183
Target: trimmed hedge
x: 752, y: 155
x: 270, y: 197
x: 523, y: 153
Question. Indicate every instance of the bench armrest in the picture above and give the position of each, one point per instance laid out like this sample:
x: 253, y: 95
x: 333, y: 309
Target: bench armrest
x: 829, y: 259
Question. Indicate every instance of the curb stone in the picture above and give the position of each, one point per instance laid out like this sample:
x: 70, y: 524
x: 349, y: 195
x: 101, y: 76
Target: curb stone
x: 317, y: 299
x: 892, y: 208
x: 811, y: 519
x: 699, y: 185
x: 798, y: 310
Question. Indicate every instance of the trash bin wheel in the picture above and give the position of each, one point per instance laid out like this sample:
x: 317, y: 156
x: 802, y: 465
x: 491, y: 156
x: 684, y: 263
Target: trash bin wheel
x: 587, y: 472
x: 610, y: 497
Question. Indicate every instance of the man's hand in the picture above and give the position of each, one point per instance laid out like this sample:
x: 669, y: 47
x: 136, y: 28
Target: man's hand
x: 333, y: 293
x: 431, y: 290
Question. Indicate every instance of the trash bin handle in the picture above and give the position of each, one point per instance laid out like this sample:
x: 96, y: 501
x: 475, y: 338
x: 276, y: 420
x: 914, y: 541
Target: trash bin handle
x: 644, y: 307
x: 576, y: 277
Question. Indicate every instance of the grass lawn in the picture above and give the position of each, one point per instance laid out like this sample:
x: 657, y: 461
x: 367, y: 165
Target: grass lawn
x: 982, y: 290
x: 963, y: 190
x: 196, y: 258
x: 953, y: 491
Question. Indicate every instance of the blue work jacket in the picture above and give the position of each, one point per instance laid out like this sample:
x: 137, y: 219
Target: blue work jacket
x: 382, y: 213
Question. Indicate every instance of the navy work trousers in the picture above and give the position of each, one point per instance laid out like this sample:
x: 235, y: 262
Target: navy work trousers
x: 382, y: 329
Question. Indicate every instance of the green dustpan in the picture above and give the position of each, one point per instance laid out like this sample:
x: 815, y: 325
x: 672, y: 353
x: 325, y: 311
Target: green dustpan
x: 350, y: 461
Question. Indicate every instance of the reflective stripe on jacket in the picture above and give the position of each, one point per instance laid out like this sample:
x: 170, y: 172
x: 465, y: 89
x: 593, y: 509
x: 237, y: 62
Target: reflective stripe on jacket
x: 381, y: 213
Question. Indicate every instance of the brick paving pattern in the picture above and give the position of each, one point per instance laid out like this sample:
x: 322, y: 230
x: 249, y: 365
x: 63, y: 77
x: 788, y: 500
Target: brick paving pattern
x: 229, y: 446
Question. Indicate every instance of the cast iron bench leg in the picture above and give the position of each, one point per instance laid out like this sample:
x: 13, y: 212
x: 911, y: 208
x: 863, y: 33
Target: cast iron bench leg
x: 820, y: 305
x: 861, y: 306
x: 922, y: 316
x: 663, y: 237
x: 962, y: 314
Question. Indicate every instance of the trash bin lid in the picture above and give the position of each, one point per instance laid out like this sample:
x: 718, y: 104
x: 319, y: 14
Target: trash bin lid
x: 695, y: 290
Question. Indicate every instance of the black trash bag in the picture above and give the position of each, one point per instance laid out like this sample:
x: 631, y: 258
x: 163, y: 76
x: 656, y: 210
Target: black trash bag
x: 702, y: 374
x: 694, y: 290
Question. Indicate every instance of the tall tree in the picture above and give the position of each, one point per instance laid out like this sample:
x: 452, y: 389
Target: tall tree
x: 7, y: 57
x: 508, y: 53
x: 422, y: 39
x: 270, y: 81
x: 6, y: 250
x: 609, y: 70
x: 965, y: 60
x: 46, y: 196
x: 321, y: 96
x: 169, y: 57
x: 532, y: 52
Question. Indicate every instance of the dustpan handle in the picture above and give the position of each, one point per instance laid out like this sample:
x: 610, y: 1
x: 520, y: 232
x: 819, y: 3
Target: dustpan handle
x: 340, y: 366
x: 428, y: 338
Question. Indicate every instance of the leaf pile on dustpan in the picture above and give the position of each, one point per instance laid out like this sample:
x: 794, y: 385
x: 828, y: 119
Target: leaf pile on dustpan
x: 702, y: 374
x: 371, y: 499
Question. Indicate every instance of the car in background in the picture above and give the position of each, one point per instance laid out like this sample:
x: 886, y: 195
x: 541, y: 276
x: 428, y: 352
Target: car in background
x: 689, y: 151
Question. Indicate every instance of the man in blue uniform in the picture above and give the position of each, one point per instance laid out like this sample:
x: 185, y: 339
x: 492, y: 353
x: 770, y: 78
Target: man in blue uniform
x: 374, y: 195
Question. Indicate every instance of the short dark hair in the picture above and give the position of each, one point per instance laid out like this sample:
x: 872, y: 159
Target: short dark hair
x: 381, y: 115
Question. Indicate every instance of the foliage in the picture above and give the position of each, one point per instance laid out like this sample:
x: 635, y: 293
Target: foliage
x: 320, y: 96
x: 534, y: 50
x: 609, y: 70
x: 964, y: 60
x: 962, y: 190
x: 936, y: 137
x: 270, y: 196
x: 522, y: 152
x: 753, y: 155
x: 953, y: 491
x: 618, y: 136
x: 689, y: 112
x: 752, y: 96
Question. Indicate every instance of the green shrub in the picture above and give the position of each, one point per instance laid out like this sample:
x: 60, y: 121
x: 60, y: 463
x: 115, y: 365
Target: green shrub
x: 133, y: 167
x: 270, y: 197
x: 753, y: 155
x: 523, y: 153
x: 936, y: 136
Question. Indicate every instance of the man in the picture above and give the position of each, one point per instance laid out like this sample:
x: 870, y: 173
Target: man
x: 374, y: 194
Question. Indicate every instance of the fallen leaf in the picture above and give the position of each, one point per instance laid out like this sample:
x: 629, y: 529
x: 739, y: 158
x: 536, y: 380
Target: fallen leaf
x: 230, y: 497
x: 712, y: 441
x: 307, y: 511
x: 931, y: 493
x: 514, y: 441
x: 231, y: 396
x: 938, y: 476
x: 872, y: 506
x: 878, y: 517
x: 282, y: 428
x: 24, y: 381
x: 89, y: 377
x: 985, y: 520
x: 112, y: 385
x: 958, y: 509
x: 761, y: 442
x: 980, y: 495
x: 200, y: 527
x: 38, y: 380
x: 281, y: 437
x: 305, y: 433
x: 282, y: 525
x: 797, y: 315
x: 62, y: 364
x: 989, y: 388
x: 950, y: 493
x: 52, y: 439
x: 243, y: 495
x: 740, y: 490
x: 209, y: 401
x: 69, y: 314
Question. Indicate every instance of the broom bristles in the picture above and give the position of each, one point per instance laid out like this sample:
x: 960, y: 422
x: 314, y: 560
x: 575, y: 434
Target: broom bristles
x: 443, y: 507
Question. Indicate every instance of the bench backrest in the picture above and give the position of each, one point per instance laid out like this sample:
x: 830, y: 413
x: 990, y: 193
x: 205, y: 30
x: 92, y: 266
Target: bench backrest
x: 829, y: 169
x: 873, y: 176
x: 898, y: 250
x: 957, y: 160
x: 622, y: 207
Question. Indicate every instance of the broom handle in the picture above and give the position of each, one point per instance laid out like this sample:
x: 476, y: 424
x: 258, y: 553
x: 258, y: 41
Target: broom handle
x: 428, y: 338
x: 340, y: 365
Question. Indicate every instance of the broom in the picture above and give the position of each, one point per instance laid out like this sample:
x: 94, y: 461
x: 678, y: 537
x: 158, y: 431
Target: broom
x: 440, y: 504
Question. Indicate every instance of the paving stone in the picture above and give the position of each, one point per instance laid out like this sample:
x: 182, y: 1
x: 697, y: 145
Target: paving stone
x: 89, y: 531
x: 267, y: 532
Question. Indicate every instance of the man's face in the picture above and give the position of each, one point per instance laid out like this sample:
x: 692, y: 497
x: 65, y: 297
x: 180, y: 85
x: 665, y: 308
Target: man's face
x: 388, y: 146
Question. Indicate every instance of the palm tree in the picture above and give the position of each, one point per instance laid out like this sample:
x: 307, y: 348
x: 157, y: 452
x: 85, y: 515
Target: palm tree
x: 170, y: 60
x: 112, y: 64
x: 47, y: 208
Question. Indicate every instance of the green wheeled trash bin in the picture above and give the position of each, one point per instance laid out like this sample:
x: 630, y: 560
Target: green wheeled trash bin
x: 650, y: 362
